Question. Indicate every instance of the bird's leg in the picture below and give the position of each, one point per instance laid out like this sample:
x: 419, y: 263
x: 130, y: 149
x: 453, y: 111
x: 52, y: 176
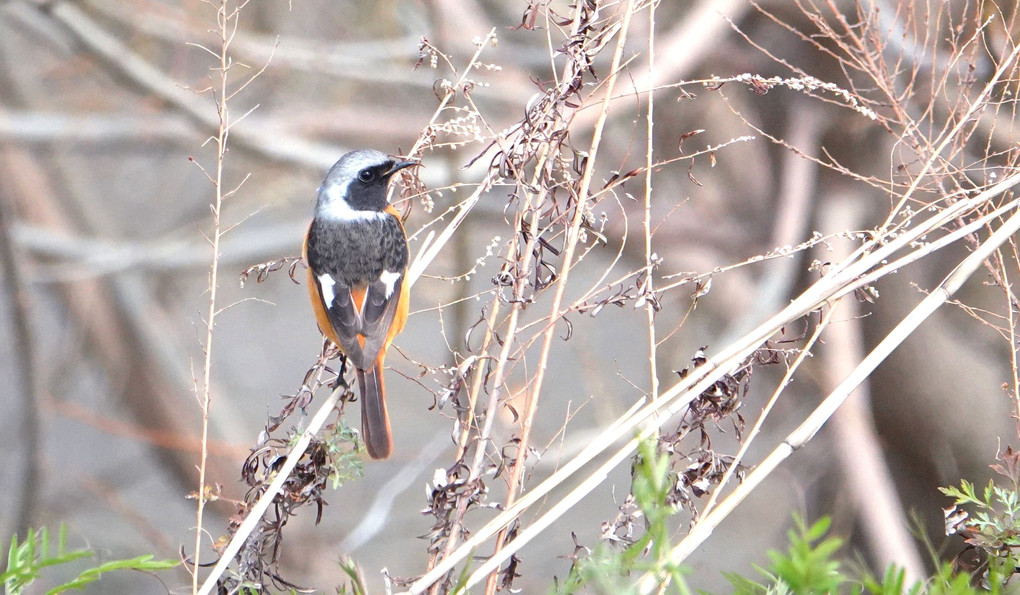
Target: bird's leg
x: 340, y: 375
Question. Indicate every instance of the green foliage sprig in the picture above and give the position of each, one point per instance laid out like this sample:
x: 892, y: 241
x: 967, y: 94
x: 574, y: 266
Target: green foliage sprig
x: 26, y: 561
x: 992, y: 524
x: 607, y: 570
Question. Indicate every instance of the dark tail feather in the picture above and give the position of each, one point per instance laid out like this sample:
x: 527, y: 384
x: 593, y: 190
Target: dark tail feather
x: 375, y: 422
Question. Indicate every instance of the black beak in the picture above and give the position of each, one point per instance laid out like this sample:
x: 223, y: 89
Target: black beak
x: 399, y: 165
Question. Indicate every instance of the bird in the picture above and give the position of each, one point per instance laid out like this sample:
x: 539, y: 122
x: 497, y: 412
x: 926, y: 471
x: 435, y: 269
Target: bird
x: 356, y: 252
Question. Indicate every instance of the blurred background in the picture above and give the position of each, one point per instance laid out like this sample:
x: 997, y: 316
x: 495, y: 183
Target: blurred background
x: 105, y: 121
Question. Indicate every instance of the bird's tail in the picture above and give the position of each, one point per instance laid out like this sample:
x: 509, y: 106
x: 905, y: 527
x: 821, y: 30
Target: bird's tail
x: 375, y: 422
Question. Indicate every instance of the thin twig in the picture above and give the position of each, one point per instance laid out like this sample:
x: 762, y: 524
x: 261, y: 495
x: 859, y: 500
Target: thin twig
x: 227, y: 19
x: 649, y: 288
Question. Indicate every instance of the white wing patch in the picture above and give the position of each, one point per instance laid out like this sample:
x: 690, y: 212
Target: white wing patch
x: 335, y: 207
x: 326, y: 284
x: 389, y: 278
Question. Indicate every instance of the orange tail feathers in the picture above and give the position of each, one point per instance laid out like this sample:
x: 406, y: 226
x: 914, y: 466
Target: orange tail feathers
x: 375, y: 422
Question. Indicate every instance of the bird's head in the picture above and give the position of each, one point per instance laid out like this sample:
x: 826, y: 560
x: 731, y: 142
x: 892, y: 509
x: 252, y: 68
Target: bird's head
x: 355, y: 186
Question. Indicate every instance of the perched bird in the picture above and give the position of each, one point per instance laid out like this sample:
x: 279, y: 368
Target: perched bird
x: 356, y: 251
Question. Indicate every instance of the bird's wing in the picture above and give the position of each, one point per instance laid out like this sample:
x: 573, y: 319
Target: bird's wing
x: 382, y: 299
x: 341, y: 310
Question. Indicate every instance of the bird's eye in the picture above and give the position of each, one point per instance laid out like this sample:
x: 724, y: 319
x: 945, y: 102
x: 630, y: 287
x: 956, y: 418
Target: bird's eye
x: 366, y: 175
